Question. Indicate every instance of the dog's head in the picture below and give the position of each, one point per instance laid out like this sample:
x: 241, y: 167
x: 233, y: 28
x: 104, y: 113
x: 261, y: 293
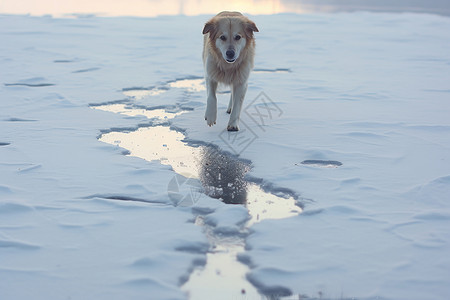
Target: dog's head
x: 230, y: 32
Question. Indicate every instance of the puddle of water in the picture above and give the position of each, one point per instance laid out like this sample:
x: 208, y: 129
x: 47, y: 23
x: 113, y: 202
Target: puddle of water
x: 192, y: 85
x: 149, y: 113
x: 223, y: 277
x: 138, y: 94
x: 262, y: 206
x: 221, y: 176
x: 158, y: 143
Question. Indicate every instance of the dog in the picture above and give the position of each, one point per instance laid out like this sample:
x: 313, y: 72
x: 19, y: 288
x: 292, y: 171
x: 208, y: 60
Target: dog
x: 228, y: 54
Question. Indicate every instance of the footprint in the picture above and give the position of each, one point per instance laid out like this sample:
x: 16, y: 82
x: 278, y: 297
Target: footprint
x: 19, y: 120
x: 322, y: 163
x: 18, y: 245
x: 30, y: 84
x: 86, y: 70
x: 62, y: 61
x: 277, y: 70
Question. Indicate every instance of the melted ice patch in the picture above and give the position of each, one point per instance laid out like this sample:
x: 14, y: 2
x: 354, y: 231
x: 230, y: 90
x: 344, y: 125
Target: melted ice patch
x: 189, y: 84
x: 123, y: 109
x: 138, y: 94
x: 192, y: 85
x: 223, y: 275
x: 262, y: 206
x: 219, y: 175
x: 158, y: 143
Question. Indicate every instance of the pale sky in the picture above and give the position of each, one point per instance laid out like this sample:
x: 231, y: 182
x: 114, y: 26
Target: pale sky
x: 141, y: 8
x: 151, y: 8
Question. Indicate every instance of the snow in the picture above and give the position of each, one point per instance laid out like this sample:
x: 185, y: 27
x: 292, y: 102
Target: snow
x: 81, y: 220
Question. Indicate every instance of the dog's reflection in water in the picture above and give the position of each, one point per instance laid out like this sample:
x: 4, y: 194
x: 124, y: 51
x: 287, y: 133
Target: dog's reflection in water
x: 223, y: 176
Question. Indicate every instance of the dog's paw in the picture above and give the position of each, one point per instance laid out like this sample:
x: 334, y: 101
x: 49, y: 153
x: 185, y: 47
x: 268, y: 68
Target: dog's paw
x: 233, y: 125
x: 233, y: 128
x: 210, y: 118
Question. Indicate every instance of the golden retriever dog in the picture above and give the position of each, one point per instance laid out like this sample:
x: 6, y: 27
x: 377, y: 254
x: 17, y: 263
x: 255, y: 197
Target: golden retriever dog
x: 228, y: 53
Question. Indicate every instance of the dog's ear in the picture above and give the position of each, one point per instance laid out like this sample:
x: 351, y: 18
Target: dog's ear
x: 210, y: 27
x: 250, y: 27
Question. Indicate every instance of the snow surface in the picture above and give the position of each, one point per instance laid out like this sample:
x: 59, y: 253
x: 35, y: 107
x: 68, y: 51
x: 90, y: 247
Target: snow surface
x: 80, y: 220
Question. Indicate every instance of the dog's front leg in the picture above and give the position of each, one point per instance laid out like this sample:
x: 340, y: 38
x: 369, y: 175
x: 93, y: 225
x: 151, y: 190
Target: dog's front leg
x: 238, y: 94
x: 211, y: 102
x: 230, y: 104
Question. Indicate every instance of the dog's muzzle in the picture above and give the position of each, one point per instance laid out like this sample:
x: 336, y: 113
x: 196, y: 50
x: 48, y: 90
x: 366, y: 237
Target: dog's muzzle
x: 230, y: 56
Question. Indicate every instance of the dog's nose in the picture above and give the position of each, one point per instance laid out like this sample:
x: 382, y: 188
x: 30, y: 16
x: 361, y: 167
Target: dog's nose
x: 230, y: 54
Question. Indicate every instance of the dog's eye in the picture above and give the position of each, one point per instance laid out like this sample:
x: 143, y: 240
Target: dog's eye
x: 223, y: 38
x: 237, y: 38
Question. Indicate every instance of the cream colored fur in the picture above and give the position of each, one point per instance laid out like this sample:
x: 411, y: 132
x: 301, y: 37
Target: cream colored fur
x: 228, y: 54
